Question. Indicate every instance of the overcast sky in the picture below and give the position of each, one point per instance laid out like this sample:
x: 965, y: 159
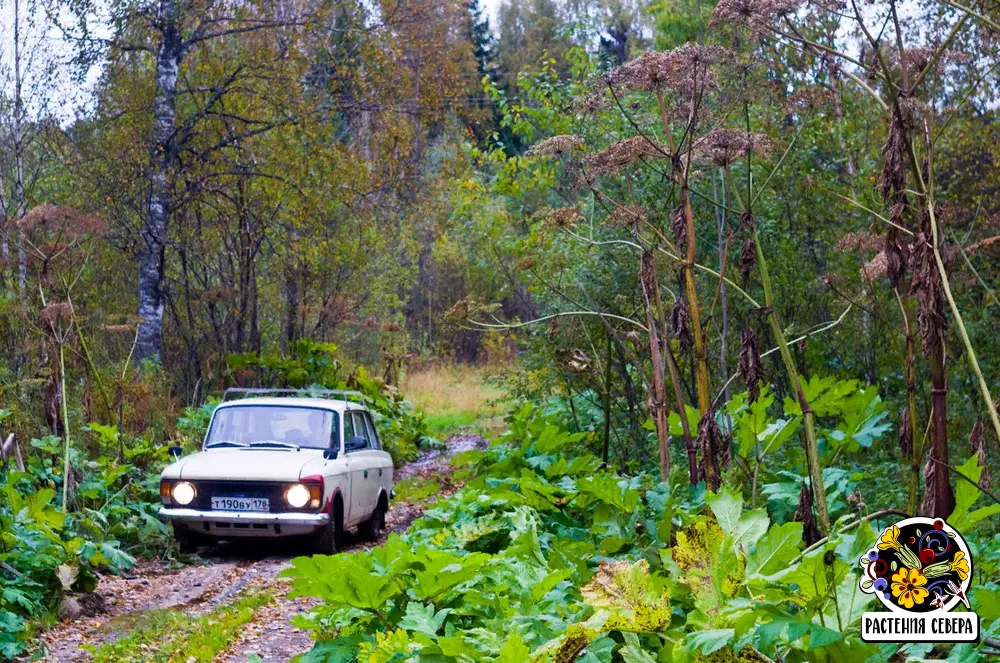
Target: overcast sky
x: 491, y: 6
x: 43, y: 54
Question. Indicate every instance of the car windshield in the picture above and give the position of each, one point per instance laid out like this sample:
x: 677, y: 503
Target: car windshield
x: 280, y: 426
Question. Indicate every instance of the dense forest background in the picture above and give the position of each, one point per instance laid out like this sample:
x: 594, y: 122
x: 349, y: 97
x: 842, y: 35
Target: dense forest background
x: 748, y: 242
x: 235, y: 178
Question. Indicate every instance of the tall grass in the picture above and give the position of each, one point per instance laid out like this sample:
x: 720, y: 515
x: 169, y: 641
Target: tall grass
x: 453, y: 396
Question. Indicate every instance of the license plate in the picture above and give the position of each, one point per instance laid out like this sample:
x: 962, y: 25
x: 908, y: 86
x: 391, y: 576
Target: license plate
x: 241, y: 504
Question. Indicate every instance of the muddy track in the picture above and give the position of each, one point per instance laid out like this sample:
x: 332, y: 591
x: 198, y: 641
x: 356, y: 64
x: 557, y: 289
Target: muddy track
x: 227, y: 570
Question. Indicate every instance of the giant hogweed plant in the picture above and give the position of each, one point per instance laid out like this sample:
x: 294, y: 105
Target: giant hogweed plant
x: 545, y: 557
x: 675, y: 106
x: 916, y: 80
x: 648, y: 131
x: 49, y: 557
x: 44, y: 554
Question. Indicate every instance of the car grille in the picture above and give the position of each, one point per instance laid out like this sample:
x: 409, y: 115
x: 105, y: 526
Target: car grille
x: 208, y: 489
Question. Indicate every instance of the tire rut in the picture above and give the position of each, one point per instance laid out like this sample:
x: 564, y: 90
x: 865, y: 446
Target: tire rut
x: 227, y: 571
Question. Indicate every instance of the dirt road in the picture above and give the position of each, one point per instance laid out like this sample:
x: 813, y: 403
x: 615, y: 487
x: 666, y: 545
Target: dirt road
x: 226, y: 572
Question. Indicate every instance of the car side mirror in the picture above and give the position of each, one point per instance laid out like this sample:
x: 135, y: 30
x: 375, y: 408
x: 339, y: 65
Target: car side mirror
x: 175, y: 451
x: 356, y: 442
x: 331, y: 453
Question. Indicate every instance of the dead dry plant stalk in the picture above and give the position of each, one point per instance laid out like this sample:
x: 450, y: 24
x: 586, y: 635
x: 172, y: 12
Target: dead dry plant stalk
x: 898, y: 101
x: 57, y: 317
x: 940, y: 498
x: 795, y: 383
x: 703, y: 385
x: 657, y: 399
x: 818, y: 491
x: 907, y: 433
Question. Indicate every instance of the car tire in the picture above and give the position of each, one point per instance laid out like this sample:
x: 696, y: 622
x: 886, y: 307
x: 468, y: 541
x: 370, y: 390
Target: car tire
x: 187, y: 541
x: 325, y: 541
x: 371, y: 529
x: 330, y: 538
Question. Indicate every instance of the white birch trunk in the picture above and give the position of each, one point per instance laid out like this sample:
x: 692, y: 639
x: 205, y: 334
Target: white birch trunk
x: 151, y: 259
x: 19, y: 196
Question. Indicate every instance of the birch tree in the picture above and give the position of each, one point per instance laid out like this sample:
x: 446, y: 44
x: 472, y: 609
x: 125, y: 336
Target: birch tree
x: 26, y: 85
x: 168, y: 32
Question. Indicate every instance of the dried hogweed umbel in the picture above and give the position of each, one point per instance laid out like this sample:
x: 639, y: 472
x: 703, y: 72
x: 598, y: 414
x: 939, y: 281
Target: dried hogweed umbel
x: 918, y: 58
x: 757, y: 15
x: 683, y: 71
x: 875, y: 268
x: 56, y: 314
x: 859, y: 242
x: 723, y: 147
x: 557, y: 146
x: 564, y: 217
x: 626, y: 153
x: 627, y: 215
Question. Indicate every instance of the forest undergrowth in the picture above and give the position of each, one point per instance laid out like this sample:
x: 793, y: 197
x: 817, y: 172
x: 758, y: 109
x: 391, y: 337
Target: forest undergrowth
x: 545, y: 556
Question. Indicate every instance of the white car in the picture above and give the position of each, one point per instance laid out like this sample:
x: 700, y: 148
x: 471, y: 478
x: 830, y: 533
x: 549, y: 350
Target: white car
x: 281, y: 463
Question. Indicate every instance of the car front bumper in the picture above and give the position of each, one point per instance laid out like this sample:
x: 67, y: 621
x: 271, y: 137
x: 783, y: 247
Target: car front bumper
x: 195, y: 516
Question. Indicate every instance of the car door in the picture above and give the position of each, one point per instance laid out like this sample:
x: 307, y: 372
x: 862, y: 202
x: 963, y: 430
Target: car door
x: 338, y: 470
x: 369, y: 464
x: 359, y: 463
x: 383, y: 457
x: 355, y: 465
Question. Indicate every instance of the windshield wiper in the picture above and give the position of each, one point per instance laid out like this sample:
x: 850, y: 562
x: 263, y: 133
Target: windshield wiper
x: 227, y: 443
x: 275, y: 443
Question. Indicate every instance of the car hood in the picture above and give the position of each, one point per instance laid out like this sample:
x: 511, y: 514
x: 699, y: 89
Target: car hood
x: 246, y: 464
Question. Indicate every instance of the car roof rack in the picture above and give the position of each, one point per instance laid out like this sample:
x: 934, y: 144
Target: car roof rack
x: 337, y: 394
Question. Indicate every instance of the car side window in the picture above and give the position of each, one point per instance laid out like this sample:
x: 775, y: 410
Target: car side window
x: 354, y: 426
x: 348, y: 427
x: 373, y: 440
x: 362, y: 429
x: 335, y: 433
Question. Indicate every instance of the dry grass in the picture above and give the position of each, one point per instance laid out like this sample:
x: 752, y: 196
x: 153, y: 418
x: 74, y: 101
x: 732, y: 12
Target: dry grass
x: 454, y: 397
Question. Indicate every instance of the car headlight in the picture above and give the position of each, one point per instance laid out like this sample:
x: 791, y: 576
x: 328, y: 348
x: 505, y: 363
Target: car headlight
x: 297, y: 496
x: 183, y: 493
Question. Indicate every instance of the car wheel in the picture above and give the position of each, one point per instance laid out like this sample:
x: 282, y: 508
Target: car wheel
x: 330, y: 538
x: 371, y: 529
x: 325, y: 541
x: 187, y: 541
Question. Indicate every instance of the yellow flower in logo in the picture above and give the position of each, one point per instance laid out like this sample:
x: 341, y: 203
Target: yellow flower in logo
x: 889, y: 539
x: 908, y: 587
x: 960, y: 565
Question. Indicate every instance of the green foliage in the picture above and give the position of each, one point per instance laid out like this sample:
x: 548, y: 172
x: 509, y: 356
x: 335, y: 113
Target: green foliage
x: 44, y: 554
x: 416, y: 488
x: 193, y: 424
x: 306, y: 362
x: 309, y: 363
x: 543, y: 554
x: 47, y: 553
x: 850, y: 418
x: 400, y: 425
